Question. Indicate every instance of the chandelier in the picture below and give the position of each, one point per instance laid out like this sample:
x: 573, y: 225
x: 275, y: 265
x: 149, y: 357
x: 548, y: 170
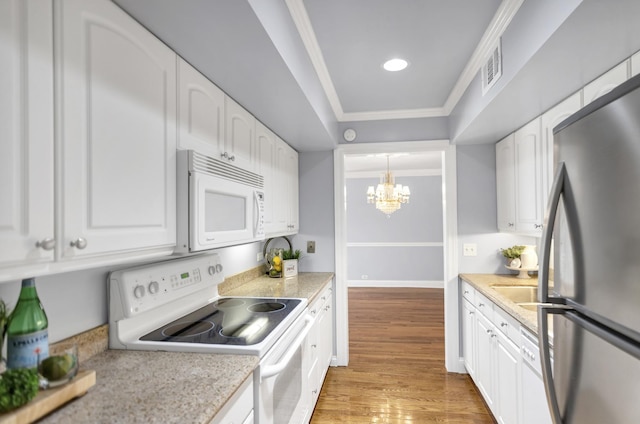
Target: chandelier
x: 387, y: 197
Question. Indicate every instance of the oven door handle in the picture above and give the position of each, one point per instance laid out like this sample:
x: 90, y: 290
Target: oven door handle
x: 271, y: 370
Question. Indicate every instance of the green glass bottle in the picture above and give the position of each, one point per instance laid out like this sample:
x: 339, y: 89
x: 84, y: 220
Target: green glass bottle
x: 27, y: 331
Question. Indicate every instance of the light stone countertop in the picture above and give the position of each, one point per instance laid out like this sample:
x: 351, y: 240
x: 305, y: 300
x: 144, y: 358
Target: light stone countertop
x: 304, y: 285
x: 156, y: 387
x: 174, y: 387
x: 483, y: 282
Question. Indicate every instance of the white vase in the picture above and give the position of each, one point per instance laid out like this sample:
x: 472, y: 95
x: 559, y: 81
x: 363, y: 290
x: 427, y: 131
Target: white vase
x: 529, y: 257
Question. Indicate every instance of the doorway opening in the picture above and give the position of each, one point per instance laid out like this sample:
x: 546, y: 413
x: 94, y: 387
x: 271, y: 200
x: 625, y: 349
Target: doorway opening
x: 446, y: 154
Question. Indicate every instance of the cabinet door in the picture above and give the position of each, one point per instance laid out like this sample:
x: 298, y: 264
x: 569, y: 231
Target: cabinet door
x: 469, y: 337
x: 325, y: 333
x: 26, y: 132
x: 507, y: 380
x: 117, y: 132
x: 606, y: 82
x: 291, y: 170
x: 240, y: 128
x: 505, y: 184
x: 485, y: 356
x: 267, y: 166
x: 528, y: 178
x: 200, y: 112
x: 549, y: 120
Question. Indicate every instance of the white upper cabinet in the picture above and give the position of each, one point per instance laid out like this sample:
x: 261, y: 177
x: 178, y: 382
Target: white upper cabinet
x: 240, y: 130
x: 606, y: 82
x: 200, y: 112
x: 116, y: 132
x: 519, y: 168
x: 278, y: 164
x: 528, y: 178
x: 505, y: 184
x: 26, y: 133
x: 268, y: 167
x: 549, y: 120
x: 292, y: 182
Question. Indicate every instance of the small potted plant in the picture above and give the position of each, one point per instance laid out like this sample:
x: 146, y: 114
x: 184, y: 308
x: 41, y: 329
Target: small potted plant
x: 513, y: 255
x: 290, y: 262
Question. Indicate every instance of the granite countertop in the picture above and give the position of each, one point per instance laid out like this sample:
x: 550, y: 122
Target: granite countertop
x: 156, y: 387
x: 483, y: 282
x: 304, y: 285
x: 173, y: 387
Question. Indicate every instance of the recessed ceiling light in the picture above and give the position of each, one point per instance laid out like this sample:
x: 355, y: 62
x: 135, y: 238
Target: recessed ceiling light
x: 394, y: 65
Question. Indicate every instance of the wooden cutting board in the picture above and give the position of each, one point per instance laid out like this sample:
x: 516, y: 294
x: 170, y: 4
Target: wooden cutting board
x: 49, y: 400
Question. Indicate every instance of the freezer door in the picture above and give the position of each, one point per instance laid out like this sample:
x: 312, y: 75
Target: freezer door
x: 597, y: 237
x: 596, y: 382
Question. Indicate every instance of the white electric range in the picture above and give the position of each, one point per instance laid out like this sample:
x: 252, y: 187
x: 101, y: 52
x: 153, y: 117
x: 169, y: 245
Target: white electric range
x: 175, y: 306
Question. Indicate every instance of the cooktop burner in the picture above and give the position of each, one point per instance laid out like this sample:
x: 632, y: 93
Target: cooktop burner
x: 230, y: 321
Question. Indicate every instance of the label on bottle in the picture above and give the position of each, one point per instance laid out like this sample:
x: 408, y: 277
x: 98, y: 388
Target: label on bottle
x: 24, y: 350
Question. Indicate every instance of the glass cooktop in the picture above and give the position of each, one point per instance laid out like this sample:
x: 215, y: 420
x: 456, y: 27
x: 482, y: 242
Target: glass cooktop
x: 231, y: 321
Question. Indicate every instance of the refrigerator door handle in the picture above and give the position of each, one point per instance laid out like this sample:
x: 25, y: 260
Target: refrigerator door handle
x: 547, y: 233
x: 545, y: 359
x: 618, y: 340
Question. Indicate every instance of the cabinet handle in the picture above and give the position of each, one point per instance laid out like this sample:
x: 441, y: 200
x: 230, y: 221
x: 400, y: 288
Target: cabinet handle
x: 224, y: 155
x: 46, y: 244
x: 503, y: 324
x: 511, y: 224
x: 481, y: 304
x: 79, y: 243
x: 488, y: 331
x: 470, y: 312
x: 232, y: 158
x: 538, y: 226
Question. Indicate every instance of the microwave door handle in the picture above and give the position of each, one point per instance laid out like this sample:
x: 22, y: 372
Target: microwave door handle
x: 271, y: 370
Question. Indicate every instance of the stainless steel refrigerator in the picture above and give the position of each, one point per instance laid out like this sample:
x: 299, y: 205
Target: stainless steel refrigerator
x: 593, y: 223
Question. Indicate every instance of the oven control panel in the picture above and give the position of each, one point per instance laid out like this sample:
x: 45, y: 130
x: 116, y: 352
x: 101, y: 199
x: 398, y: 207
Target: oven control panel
x: 143, y: 288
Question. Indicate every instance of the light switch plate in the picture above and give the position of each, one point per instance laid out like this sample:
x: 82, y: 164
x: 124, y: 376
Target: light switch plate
x: 469, y: 249
x: 311, y: 247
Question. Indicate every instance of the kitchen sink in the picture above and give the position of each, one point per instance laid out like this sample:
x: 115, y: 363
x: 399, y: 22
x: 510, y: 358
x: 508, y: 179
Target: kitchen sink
x: 518, y: 294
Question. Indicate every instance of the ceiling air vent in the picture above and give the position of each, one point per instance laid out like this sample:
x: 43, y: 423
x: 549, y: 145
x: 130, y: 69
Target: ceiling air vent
x: 492, y: 69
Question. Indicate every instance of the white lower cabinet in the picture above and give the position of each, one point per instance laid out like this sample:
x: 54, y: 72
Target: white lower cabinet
x: 502, y: 358
x: 320, y: 342
x: 535, y: 409
x: 238, y: 409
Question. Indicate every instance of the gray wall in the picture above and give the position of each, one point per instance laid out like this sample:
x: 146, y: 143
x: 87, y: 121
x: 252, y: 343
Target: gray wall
x: 316, y: 211
x: 477, y: 222
x: 373, y: 261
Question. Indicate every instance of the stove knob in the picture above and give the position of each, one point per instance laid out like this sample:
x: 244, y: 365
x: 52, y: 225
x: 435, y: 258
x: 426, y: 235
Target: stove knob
x: 219, y: 268
x: 138, y: 291
x: 154, y: 287
x: 212, y: 270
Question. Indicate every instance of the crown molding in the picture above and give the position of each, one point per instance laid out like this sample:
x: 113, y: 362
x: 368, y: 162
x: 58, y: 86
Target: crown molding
x: 500, y: 21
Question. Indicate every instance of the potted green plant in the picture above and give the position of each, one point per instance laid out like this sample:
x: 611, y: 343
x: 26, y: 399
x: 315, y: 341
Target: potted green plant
x: 290, y: 262
x: 512, y: 253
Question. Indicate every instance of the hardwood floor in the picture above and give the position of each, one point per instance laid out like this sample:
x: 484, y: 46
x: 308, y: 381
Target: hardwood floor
x: 396, y: 370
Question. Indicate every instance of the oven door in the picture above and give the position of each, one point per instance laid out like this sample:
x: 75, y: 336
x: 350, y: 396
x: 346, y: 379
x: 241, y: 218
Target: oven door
x: 281, y: 382
x: 223, y: 212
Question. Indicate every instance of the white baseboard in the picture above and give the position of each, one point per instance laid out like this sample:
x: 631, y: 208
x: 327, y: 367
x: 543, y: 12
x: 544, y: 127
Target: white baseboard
x: 396, y: 283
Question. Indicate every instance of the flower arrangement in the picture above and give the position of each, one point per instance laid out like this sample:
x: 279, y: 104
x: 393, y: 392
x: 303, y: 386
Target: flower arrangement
x: 512, y: 252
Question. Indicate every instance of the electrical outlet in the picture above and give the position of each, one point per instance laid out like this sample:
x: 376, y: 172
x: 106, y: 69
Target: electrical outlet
x: 311, y: 247
x: 260, y: 256
x: 469, y: 249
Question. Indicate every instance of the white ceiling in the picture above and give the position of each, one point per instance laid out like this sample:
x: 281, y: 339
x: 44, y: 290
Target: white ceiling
x: 354, y: 38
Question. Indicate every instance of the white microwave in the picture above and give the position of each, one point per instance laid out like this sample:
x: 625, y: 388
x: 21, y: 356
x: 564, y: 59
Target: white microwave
x: 219, y: 204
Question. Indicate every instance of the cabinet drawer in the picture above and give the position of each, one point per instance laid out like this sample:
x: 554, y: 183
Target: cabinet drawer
x: 468, y: 292
x: 507, y: 324
x: 484, y: 305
